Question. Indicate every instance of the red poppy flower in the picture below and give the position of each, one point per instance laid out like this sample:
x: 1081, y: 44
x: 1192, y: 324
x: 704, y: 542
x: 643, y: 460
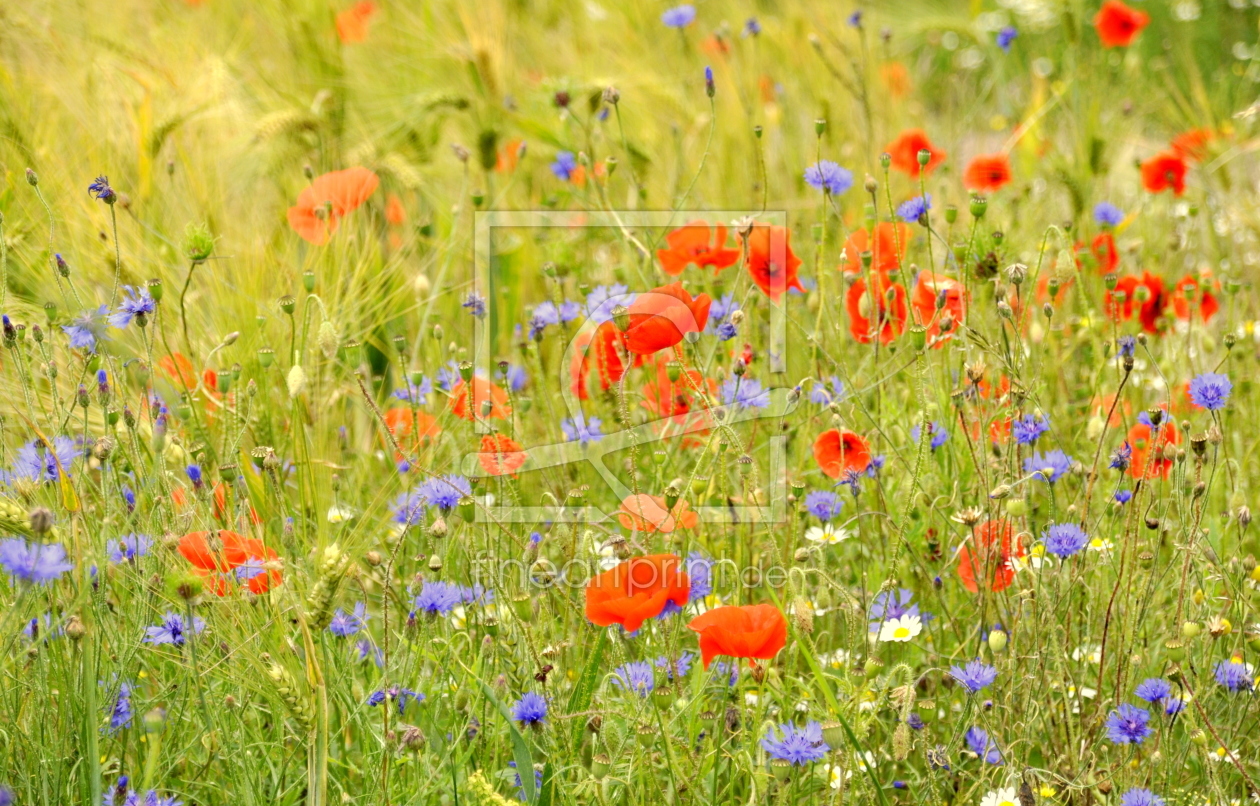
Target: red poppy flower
x: 395, y: 212
x: 482, y: 391
x: 636, y: 590
x: 501, y: 455
x: 1147, y: 461
x: 749, y: 631
x: 321, y: 205
x: 649, y: 513
x: 1191, y: 295
x: 887, y: 252
x: 606, y: 349
x: 352, y: 24
x: 905, y: 152
x: 410, y: 429
x: 1143, y: 295
x: 1191, y: 146
x: 771, y: 262
x: 1103, y: 250
x: 990, y: 555
x: 1101, y: 405
x: 225, y: 552
x: 1165, y: 171
x: 696, y: 243
x: 220, y: 505
x: 676, y: 398
x: 178, y: 368
x: 837, y: 451
x: 942, y: 322
x: 660, y: 318
x: 1118, y: 25
x: 883, y: 312
x: 987, y: 173
x: 896, y: 78
x: 509, y: 156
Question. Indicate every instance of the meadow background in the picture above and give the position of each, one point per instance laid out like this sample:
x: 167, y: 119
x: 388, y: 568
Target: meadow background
x: 273, y: 592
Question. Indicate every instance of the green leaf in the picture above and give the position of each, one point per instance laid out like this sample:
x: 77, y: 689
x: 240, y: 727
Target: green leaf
x: 580, y: 699
x: 548, y: 786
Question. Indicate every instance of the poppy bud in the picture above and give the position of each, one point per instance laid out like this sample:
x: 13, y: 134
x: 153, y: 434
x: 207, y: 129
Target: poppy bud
x: 438, y: 528
x: 1175, y: 650
x: 870, y: 186
x: 918, y: 336
x: 600, y: 765
x: 951, y: 214
x: 621, y: 317
x: 1190, y: 630
x: 997, y: 640
x: 671, y: 496
x: 266, y: 356
x: 1017, y: 507
x: 979, y: 205
x: 611, y: 96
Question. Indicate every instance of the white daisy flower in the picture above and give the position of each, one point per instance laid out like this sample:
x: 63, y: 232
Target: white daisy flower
x: 827, y: 535
x: 901, y: 629
x: 1006, y: 796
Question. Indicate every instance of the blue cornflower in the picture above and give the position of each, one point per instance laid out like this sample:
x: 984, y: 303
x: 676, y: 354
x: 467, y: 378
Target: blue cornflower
x: 915, y: 208
x: 399, y: 695
x: 709, y: 87
x: 444, y: 492
x: 722, y: 307
x: 891, y: 605
x: 1126, y: 344
x: 1109, y: 215
x: 129, y: 498
x: 601, y: 301
x: 346, y: 624
x: 752, y: 27
x: 1174, y: 706
x: 679, y: 667
x: 195, y: 476
x: 531, y: 709
x: 1153, y: 689
x: 85, y: 330
x: 828, y: 176
x: 1123, y: 496
x: 1210, y: 390
x: 475, y: 303
x: 136, y: 304
x: 408, y: 509
x: 679, y: 16
x: 35, y: 462
x: 1140, y: 797
x: 34, y: 563
x: 636, y: 676
x: 827, y: 392
x: 476, y: 594
x: 581, y: 428
x: 1064, y: 539
x: 1122, y: 457
x: 6, y: 796
x: 121, y: 715
x: 915, y: 721
x: 543, y: 316
x: 744, y: 393
x: 520, y: 787
x: 727, y: 331
x: 855, y: 19
x: 447, y: 376
x: 128, y: 547
x: 975, y: 676
x: 565, y: 165
x: 1005, y: 37
x: 1234, y: 675
x: 823, y: 504
x: 1027, y: 428
x: 1128, y: 724
x: 417, y: 393
x: 699, y: 573
x: 516, y: 377
x: 1054, y: 463
x: 799, y: 746
x: 172, y: 630
x: 938, y: 432
x: 978, y: 742
x: 101, y: 190
x: 437, y: 598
